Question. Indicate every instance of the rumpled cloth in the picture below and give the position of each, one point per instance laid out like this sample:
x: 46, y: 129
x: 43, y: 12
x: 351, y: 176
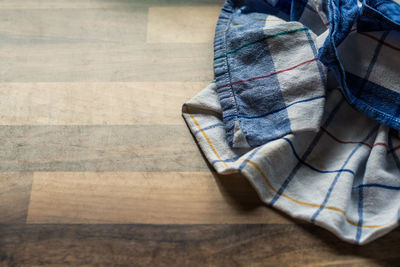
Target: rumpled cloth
x: 306, y: 105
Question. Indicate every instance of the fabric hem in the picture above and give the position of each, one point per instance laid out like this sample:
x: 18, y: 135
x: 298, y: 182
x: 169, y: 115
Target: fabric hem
x: 222, y: 73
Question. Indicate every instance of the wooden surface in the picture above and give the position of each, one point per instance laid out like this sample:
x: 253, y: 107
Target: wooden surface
x: 97, y: 167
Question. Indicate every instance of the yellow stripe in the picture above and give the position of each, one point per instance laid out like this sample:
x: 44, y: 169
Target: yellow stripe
x: 205, y: 135
x: 272, y: 187
x: 221, y: 32
x: 307, y: 203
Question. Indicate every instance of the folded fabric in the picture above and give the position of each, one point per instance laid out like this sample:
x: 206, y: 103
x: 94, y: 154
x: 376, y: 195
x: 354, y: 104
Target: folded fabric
x: 282, y: 110
x: 255, y: 97
x: 344, y: 178
x: 270, y: 81
x: 367, y: 65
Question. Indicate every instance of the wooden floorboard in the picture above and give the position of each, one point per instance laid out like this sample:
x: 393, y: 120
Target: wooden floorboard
x: 182, y: 245
x: 99, y: 148
x: 105, y: 62
x: 98, y: 168
x: 146, y: 197
x: 15, y: 190
x: 167, y: 25
x: 115, y: 103
x: 104, y: 41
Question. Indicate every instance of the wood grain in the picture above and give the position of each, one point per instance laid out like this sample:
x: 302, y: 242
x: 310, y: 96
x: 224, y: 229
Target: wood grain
x: 99, y: 148
x: 93, y: 44
x: 15, y: 189
x: 73, y: 26
x: 93, y: 4
x: 177, y: 245
x: 102, y: 62
x: 169, y: 25
x: 143, y: 103
x: 148, y: 198
x: 90, y: 96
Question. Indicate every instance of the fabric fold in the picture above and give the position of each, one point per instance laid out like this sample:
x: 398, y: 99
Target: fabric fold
x: 283, y: 93
x: 306, y: 104
x: 345, y: 177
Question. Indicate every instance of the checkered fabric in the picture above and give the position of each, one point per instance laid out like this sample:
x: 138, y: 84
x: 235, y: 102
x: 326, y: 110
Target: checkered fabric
x: 288, y: 123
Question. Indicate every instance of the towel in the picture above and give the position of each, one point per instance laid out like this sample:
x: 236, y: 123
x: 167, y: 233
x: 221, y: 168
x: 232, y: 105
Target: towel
x: 305, y: 104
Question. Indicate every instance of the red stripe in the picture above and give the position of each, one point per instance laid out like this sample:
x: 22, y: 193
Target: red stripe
x: 381, y: 144
x: 269, y: 75
x: 377, y: 39
x: 384, y: 43
x: 372, y: 37
x: 361, y: 143
x: 394, y: 149
x: 345, y: 142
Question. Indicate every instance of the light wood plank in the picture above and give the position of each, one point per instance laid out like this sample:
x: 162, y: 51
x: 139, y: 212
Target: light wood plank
x: 56, y: 26
x: 93, y: 45
x: 80, y: 4
x: 105, y: 62
x: 143, y: 103
x: 51, y: 4
x: 99, y: 148
x: 15, y: 188
x: 147, y: 198
x: 188, y: 24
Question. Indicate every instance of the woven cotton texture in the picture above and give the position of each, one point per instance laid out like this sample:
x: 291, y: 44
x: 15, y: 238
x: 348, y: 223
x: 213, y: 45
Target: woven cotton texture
x: 304, y: 110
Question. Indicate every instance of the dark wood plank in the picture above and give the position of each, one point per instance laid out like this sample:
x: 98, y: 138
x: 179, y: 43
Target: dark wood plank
x: 15, y: 188
x: 209, y: 245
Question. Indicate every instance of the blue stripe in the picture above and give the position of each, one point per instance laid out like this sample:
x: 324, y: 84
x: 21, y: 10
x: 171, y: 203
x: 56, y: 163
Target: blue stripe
x: 249, y: 158
x: 361, y: 191
x: 397, y: 162
x: 311, y: 8
x: 360, y: 215
x: 306, y: 153
x: 389, y: 187
x: 371, y: 64
x: 319, y: 64
x: 297, y: 9
x: 209, y: 127
x: 313, y: 168
x: 390, y: 143
x: 275, y: 111
x: 332, y: 186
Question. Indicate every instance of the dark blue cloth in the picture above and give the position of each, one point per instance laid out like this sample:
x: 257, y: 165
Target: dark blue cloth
x: 242, y: 56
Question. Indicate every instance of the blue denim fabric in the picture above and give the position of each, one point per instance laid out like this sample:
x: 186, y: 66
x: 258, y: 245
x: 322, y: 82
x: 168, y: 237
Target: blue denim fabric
x: 242, y: 53
x: 378, y: 102
x: 258, y: 107
x: 379, y: 15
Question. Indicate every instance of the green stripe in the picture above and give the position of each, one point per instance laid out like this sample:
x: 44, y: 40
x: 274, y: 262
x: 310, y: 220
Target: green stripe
x: 263, y: 39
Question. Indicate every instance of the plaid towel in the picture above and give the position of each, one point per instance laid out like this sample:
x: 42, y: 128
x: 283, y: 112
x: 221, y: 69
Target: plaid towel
x: 278, y: 116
